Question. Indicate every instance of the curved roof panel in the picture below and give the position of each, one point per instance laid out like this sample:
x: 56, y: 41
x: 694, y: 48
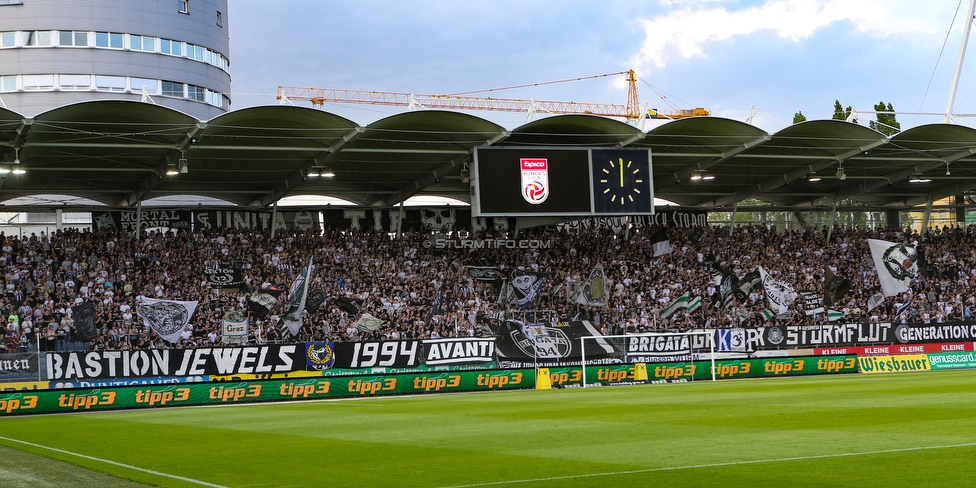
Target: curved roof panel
x: 119, y: 153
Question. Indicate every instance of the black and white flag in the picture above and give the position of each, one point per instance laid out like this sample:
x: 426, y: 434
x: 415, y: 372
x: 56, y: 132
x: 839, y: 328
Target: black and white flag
x: 262, y: 302
x: 751, y: 280
x: 875, y: 301
x: 486, y: 273
x: 522, y: 287
x: 594, y: 291
x: 779, y: 293
x: 811, y: 303
x: 896, y: 265
x: 84, y: 317
x: 661, y: 243
x: 167, y: 317
x: 835, y: 288
x: 224, y: 277
x: 297, y: 295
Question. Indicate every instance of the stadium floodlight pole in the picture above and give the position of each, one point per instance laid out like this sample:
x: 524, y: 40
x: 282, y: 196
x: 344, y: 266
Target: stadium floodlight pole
x: 968, y: 24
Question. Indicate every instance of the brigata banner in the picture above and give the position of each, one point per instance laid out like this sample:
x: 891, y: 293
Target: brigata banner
x: 188, y: 394
x: 894, y: 349
x: 77, y: 366
x: 894, y: 364
x: 664, y: 348
x: 18, y: 364
x: 458, y: 351
x: 953, y: 360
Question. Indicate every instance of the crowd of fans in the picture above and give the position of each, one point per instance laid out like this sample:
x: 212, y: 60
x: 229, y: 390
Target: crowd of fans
x: 424, y: 291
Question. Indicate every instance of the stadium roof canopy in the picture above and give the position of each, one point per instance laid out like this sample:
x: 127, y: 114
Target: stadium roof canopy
x: 118, y: 152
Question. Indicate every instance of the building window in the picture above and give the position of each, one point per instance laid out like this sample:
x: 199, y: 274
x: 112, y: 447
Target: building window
x: 151, y: 86
x: 168, y: 46
x: 108, y: 39
x: 142, y: 43
x: 110, y: 83
x: 215, y: 99
x: 184, y: 6
x: 38, y: 82
x: 172, y: 89
x: 195, y: 93
x: 37, y: 38
x: 73, y: 38
x: 8, y: 83
x: 7, y: 39
x: 220, y: 19
x: 194, y: 52
x: 74, y: 82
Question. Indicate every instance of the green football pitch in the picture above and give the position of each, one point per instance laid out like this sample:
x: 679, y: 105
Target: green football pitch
x: 891, y: 430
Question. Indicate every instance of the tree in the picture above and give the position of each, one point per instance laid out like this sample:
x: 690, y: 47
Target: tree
x: 886, y: 123
x: 799, y: 117
x: 842, y: 114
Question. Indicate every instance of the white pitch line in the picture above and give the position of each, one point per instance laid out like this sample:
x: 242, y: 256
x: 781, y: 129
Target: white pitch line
x: 716, y: 465
x: 106, y: 461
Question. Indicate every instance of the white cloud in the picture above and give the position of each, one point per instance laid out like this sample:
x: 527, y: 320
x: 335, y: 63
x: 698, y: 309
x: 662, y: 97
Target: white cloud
x: 690, y: 30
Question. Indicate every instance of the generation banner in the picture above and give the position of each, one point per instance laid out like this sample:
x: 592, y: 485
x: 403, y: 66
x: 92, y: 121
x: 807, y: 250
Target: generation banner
x: 81, y: 366
x: 19, y: 364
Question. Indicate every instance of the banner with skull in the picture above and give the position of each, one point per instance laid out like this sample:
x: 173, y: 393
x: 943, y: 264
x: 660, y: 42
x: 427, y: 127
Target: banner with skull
x: 168, y: 318
x: 896, y: 264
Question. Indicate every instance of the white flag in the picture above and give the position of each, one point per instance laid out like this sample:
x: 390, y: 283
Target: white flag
x: 779, y: 293
x: 875, y: 301
x: 896, y: 265
x: 167, y: 317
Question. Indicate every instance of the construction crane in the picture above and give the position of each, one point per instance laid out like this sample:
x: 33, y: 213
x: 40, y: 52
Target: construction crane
x: 462, y: 101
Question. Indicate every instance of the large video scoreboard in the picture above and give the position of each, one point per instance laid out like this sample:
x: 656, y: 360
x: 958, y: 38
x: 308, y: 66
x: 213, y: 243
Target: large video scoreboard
x: 529, y: 181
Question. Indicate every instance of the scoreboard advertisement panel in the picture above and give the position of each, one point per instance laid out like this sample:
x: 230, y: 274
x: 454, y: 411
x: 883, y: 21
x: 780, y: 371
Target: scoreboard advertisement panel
x: 528, y: 181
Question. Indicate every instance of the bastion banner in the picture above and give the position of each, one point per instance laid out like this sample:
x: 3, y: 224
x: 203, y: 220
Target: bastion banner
x: 149, y: 219
x: 75, y: 366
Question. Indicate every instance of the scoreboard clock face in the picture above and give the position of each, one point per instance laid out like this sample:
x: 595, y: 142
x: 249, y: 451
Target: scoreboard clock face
x: 622, y: 182
x: 547, y: 181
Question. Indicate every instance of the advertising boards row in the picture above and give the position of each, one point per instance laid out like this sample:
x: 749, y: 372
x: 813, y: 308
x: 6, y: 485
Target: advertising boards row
x: 214, y: 390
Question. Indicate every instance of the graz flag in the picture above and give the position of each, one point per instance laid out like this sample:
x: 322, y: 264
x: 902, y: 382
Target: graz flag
x: 594, y: 292
x: 297, y: 294
x: 167, y: 317
x: 779, y: 294
x: 896, y: 265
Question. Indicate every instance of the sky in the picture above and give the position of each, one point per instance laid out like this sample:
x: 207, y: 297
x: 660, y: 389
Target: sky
x: 779, y: 56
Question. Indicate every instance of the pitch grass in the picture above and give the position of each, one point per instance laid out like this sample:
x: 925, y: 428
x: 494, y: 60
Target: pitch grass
x: 895, y: 430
